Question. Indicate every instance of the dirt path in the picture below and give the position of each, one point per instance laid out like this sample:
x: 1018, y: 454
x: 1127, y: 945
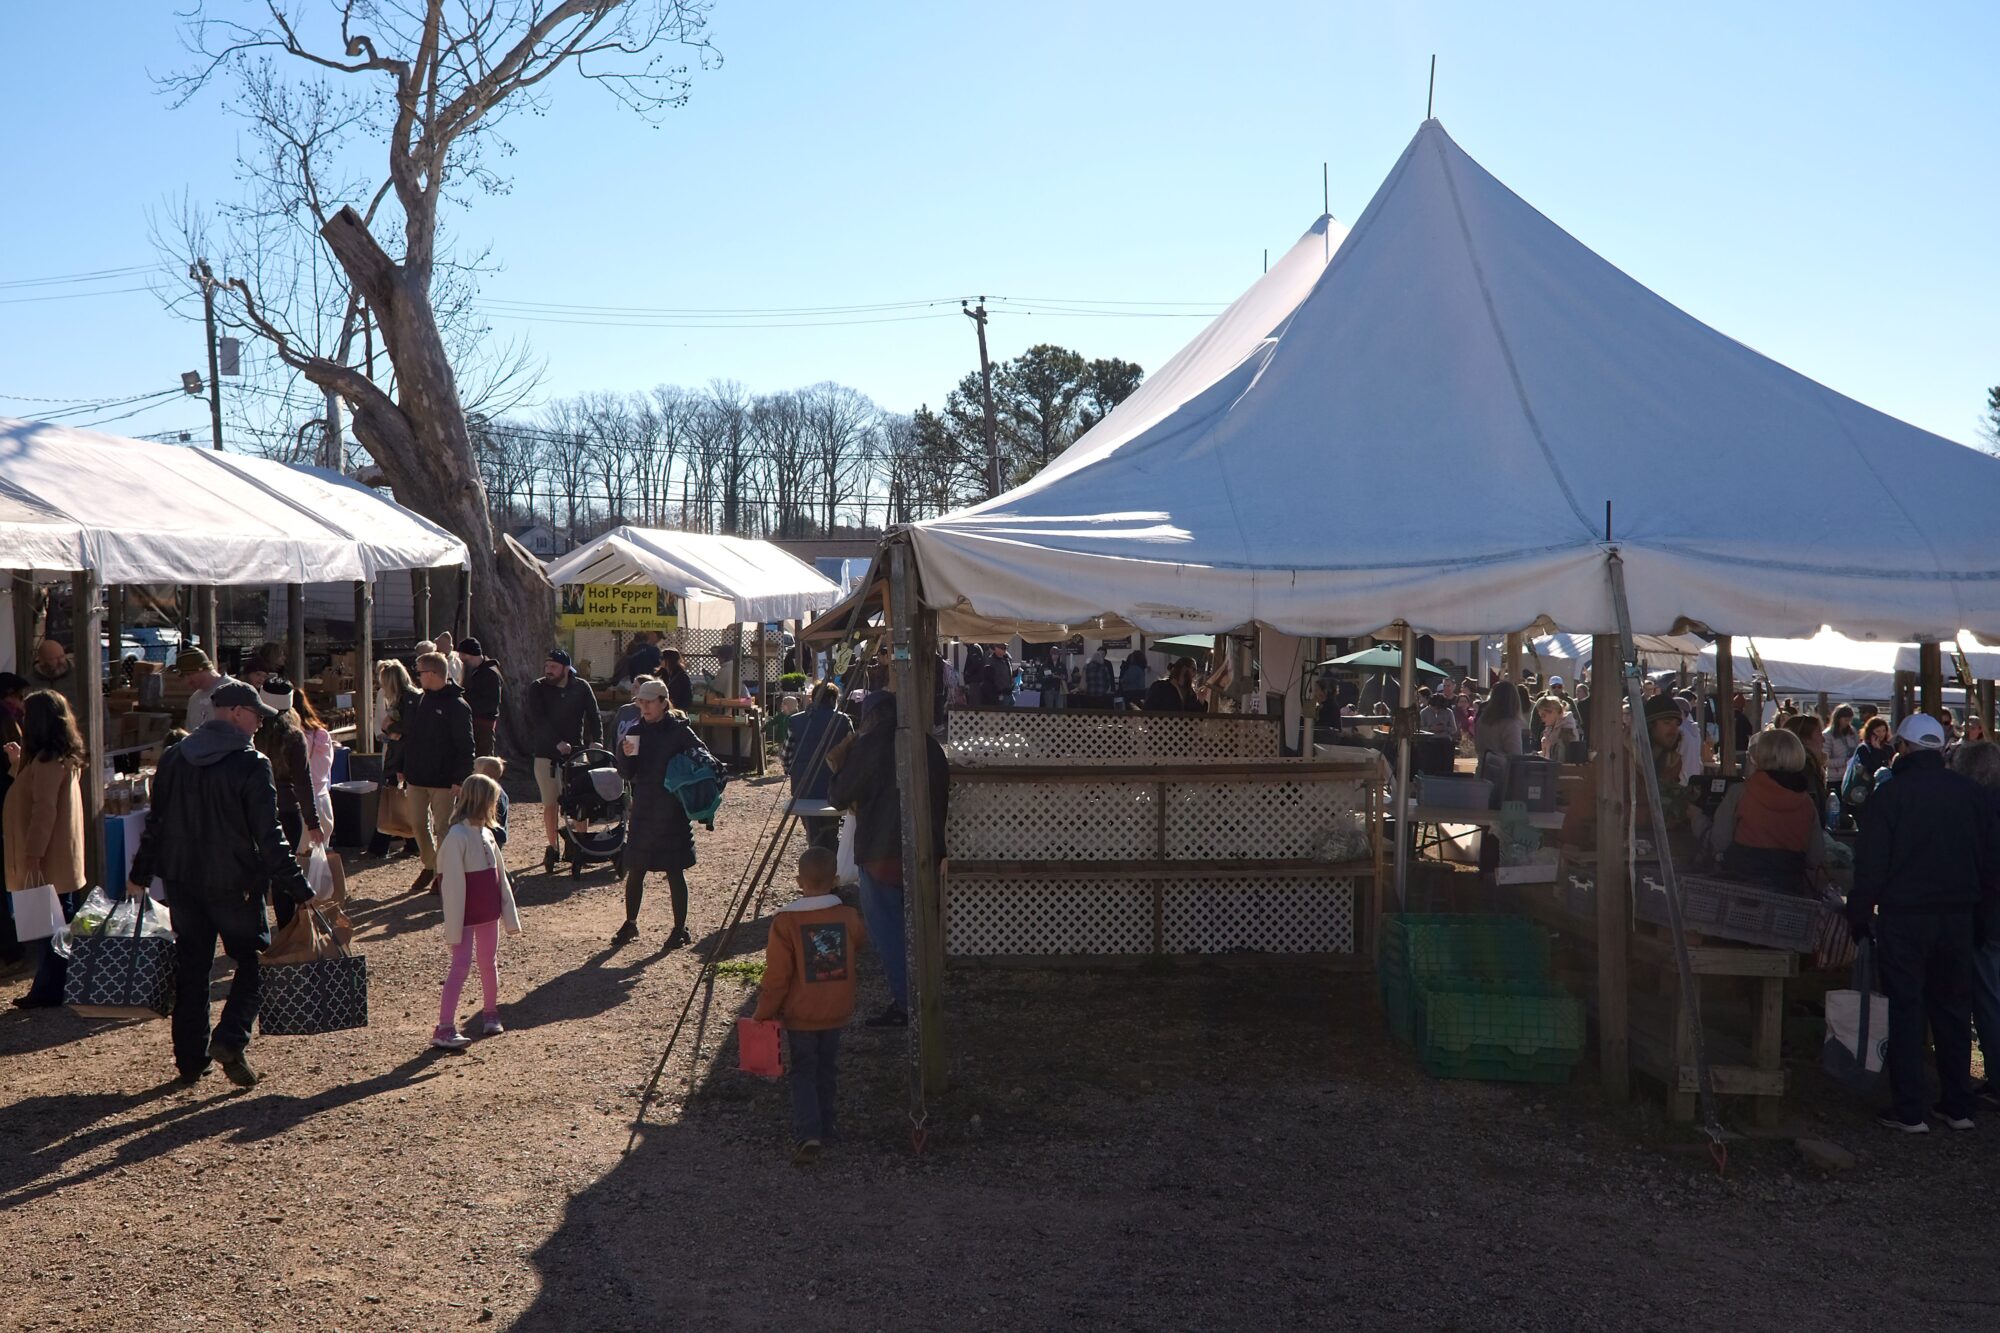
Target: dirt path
x: 1218, y: 1146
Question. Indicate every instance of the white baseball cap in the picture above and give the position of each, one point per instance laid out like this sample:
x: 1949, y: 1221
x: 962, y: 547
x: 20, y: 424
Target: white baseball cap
x: 1922, y: 729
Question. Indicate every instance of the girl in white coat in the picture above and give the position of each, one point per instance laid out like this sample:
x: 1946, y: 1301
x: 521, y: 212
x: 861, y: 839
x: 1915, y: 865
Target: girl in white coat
x: 478, y: 902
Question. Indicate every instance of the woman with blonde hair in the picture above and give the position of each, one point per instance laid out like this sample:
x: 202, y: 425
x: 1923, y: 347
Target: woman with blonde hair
x: 395, y: 695
x: 477, y: 901
x: 1559, y: 729
x: 1766, y: 829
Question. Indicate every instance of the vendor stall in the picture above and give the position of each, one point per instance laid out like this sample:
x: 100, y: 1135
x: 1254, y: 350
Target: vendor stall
x: 1457, y: 332
x: 101, y: 512
x: 717, y: 599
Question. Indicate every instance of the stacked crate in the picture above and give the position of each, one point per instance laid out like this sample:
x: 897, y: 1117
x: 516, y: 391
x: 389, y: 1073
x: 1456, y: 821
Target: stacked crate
x: 1474, y: 995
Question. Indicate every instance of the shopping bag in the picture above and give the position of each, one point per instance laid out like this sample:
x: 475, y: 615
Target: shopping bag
x: 1857, y: 1027
x: 757, y: 1047
x: 37, y: 912
x: 697, y: 781
x: 303, y: 938
x: 845, y: 869
x: 395, y: 815
x: 113, y: 974
x: 325, y: 992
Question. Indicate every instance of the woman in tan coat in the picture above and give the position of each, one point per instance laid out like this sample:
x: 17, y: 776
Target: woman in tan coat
x: 42, y: 822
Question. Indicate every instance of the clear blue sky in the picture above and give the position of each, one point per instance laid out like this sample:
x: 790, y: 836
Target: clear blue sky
x: 1815, y: 180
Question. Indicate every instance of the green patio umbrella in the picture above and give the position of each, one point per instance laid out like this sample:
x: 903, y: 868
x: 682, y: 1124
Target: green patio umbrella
x: 1184, y: 643
x: 1379, y: 658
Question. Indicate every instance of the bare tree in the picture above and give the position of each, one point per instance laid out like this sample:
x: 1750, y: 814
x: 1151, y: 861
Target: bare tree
x: 837, y: 422
x: 443, y: 76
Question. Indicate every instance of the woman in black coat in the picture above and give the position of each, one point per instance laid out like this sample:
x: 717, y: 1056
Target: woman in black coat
x: 658, y: 835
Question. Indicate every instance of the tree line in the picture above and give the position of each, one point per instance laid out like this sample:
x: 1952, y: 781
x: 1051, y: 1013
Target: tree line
x: 822, y: 460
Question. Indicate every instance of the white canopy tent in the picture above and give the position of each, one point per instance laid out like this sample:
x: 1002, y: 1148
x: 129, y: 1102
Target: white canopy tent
x: 1828, y: 663
x: 132, y: 512
x: 722, y: 581
x: 1984, y: 661
x: 1456, y: 332
x: 1664, y: 651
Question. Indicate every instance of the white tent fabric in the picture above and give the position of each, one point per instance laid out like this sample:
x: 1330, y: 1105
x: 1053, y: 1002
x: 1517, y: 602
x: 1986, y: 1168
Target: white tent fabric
x: 153, y: 513
x: 1984, y: 661
x: 1827, y: 663
x: 1666, y: 651
x: 723, y: 580
x: 1433, y: 431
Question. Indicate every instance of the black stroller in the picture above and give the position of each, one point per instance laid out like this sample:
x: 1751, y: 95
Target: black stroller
x: 594, y: 808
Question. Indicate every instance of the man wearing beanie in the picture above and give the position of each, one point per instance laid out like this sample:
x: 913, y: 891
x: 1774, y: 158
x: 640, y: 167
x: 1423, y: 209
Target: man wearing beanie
x: 482, y: 693
x: 562, y: 718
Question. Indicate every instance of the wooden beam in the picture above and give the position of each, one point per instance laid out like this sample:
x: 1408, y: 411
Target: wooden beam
x: 1725, y: 705
x: 1986, y: 705
x: 1511, y: 658
x: 207, y: 624
x: 1610, y: 732
x: 910, y: 653
x: 1930, y: 668
x: 87, y: 628
x: 295, y: 634
x: 364, y: 665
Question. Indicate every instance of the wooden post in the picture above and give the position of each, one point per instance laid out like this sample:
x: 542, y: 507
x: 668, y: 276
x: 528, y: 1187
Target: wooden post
x: 87, y: 627
x: 364, y: 666
x: 1930, y: 667
x: 910, y: 651
x: 295, y: 634
x: 1608, y: 696
x: 1725, y: 703
x: 420, y: 602
x: 207, y: 624
x: 114, y: 635
x: 1511, y: 659
x: 1406, y: 697
x: 1986, y: 705
x: 461, y: 620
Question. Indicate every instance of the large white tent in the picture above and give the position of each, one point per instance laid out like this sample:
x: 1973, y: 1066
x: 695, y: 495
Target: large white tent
x: 132, y: 512
x: 1439, y: 431
x: 722, y: 581
x: 1665, y: 651
x: 1984, y: 661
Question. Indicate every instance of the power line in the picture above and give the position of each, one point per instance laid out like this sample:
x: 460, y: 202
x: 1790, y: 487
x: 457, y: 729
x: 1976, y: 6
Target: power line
x: 95, y: 275
x: 71, y: 296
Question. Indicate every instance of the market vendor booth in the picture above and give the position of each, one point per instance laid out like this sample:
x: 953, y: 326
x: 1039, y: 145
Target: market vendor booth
x: 1456, y: 332
x: 98, y: 513
x: 721, y: 601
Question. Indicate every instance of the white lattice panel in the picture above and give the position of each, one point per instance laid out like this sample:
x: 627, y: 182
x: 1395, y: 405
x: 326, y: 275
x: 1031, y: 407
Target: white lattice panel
x: 1067, y: 821
x: 1085, y: 736
x: 1220, y: 913
x: 1297, y: 820
x: 992, y: 918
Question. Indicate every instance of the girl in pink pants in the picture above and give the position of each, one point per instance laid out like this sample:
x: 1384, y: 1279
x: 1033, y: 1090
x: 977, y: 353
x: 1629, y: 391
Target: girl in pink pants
x: 478, y: 903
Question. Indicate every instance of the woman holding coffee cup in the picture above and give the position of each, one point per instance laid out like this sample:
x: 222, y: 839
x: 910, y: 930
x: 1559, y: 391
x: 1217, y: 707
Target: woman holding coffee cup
x: 659, y: 836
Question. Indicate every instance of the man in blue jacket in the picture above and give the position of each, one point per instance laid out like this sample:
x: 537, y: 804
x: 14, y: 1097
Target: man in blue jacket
x: 1928, y: 859
x: 814, y: 736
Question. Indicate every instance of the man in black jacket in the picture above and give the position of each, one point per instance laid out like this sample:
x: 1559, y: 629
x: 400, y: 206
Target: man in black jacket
x: 212, y: 834
x: 482, y: 694
x: 562, y: 716
x: 1928, y: 859
x: 437, y: 758
x: 865, y: 782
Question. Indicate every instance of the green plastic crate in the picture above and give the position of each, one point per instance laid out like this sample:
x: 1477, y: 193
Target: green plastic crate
x: 1521, y: 1032
x: 1420, y: 949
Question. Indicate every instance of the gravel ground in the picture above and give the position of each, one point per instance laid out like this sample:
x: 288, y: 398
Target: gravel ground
x: 1207, y: 1145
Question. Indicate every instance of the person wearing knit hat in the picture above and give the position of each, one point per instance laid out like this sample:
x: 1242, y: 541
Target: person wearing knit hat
x: 202, y: 678
x: 562, y: 717
x: 483, y: 685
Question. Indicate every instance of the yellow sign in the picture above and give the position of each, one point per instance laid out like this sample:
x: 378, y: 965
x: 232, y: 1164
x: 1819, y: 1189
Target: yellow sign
x: 625, y: 606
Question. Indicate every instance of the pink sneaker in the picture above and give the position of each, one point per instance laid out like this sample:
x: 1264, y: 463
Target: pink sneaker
x: 490, y: 1026
x: 445, y: 1040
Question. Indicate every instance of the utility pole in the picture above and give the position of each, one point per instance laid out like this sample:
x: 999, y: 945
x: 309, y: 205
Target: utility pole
x: 201, y: 273
x: 977, y: 314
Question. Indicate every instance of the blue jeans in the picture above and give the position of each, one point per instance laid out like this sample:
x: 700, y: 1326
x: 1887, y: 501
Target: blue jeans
x: 882, y: 910
x: 815, y: 1059
x: 1986, y: 1004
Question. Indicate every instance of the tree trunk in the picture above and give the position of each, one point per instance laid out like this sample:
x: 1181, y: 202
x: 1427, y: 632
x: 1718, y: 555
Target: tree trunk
x: 425, y: 449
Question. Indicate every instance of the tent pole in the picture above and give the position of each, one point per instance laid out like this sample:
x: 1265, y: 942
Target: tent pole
x: 420, y: 602
x: 1406, y: 695
x: 1609, y: 731
x: 207, y: 625
x: 1986, y: 704
x: 295, y: 634
x: 86, y: 629
x: 912, y: 631
x: 1930, y: 665
x: 1725, y: 704
x: 114, y: 634
x: 364, y: 665
x: 1511, y: 663
x: 22, y: 584
x: 461, y: 620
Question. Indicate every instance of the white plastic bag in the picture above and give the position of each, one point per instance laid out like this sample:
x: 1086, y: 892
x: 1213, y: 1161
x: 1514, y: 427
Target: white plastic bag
x: 319, y: 875
x: 155, y: 922
x: 97, y: 906
x: 846, y: 872
x: 1857, y: 1026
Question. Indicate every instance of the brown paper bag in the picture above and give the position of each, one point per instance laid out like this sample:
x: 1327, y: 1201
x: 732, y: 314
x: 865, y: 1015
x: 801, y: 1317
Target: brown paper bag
x: 394, y: 814
x: 301, y: 940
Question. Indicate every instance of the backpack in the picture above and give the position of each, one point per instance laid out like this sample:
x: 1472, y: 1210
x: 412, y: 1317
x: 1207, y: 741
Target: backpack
x: 697, y: 781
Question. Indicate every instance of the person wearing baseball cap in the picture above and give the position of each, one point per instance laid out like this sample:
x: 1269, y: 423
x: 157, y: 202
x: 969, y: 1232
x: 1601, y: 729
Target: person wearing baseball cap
x: 1927, y: 861
x: 562, y: 718
x: 213, y: 836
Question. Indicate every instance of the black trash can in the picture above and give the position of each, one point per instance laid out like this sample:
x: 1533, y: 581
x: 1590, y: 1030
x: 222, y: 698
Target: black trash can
x: 354, y: 806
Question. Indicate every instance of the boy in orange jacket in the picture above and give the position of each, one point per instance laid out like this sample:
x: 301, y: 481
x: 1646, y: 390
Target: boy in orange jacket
x: 809, y: 987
